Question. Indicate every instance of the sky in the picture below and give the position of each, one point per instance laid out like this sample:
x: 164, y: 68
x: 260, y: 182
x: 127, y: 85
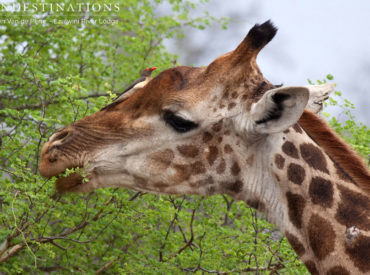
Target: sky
x: 315, y: 38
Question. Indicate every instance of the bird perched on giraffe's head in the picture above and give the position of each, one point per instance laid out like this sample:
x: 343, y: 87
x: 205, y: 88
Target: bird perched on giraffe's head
x: 145, y: 77
x: 147, y: 72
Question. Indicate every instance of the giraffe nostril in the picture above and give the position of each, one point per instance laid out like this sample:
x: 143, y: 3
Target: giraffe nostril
x: 60, y: 138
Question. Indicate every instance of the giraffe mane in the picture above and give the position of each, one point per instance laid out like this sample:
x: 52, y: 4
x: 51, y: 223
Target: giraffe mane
x: 342, y: 154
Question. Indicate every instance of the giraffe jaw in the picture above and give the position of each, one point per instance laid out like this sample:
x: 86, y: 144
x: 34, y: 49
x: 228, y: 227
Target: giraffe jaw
x: 71, y: 183
x: 74, y: 182
x: 90, y: 176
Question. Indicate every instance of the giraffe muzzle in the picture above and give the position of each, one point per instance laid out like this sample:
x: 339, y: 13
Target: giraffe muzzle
x: 53, y: 161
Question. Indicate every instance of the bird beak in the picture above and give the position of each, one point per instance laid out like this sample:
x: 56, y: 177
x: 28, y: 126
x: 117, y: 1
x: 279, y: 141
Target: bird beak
x: 153, y: 68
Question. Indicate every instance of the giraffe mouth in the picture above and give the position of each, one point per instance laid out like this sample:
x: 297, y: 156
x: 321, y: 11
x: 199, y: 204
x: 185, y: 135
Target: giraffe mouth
x: 74, y: 183
x: 51, y: 166
x: 69, y: 183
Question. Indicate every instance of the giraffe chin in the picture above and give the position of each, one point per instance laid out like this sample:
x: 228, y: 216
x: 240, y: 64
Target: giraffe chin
x: 74, y: 183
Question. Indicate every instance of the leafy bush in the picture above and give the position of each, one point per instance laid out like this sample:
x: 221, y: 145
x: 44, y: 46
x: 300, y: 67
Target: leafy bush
x: 53, y: 74
x: 354, y: 133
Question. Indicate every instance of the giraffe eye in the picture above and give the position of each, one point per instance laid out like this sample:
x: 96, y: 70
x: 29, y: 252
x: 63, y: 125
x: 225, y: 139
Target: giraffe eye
x: 178, y: 123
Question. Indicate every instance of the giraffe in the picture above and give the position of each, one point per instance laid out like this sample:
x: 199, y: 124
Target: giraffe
x: 225, y: 129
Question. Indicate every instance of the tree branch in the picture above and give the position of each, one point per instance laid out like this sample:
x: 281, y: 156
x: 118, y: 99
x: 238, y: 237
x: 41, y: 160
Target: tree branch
x: 39, y: 105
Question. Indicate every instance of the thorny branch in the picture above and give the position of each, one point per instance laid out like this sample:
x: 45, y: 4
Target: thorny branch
x: 178, y: 208
x: 229, y: 203
x: 55, y: 101
x: 190, y: 241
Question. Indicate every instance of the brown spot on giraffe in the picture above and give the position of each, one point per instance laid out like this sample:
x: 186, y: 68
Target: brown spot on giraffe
x: 219, y: 140
x: 290, y: 149
x: 337, y: 270
x: 311, y: 267
x: 314, y: 157
x: 286, y: 131
x: 295, y: 243
x: 212, y: 154
x: 297, y: 128
x: 321, y: 192
x: 182, y: 173
x: 217, y: 126
x: 197, y: 168
x: 279, y: 161
x: 231, y: 105
x: 189, y: 151
x: 207, y: 137
x: 359, y: 253
x: 321, y: 236
x: 235, y: 169
x: 296, y: 173
x: 221, y: 167
x: 162, y: 159
x: 228, y: 149
x: 296, y: 205
x: 234, y: 187
x: 234, y: 95
x: 353, y: 209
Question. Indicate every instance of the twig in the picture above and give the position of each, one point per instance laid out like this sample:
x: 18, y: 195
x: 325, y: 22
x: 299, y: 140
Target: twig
x: 39, y: 105
x: 105, y: 266
x: 59, y: 246
x: 11, y: 252
x: 137, y: 194
x: 190, y: 240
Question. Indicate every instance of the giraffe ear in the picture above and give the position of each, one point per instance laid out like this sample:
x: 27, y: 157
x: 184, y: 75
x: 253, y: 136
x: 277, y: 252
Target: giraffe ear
x: 318, y: 94
x: 279, y: 109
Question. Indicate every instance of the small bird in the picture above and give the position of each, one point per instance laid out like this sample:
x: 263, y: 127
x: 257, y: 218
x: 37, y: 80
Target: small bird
x: 145, y: 77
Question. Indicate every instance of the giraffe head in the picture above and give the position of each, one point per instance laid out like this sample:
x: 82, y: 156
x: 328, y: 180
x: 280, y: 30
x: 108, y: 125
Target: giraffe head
x: 181, y: 133
x: 224, y: 129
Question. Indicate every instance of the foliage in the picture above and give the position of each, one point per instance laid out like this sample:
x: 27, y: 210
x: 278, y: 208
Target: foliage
x: 53, y: 73
x: 354, y: 133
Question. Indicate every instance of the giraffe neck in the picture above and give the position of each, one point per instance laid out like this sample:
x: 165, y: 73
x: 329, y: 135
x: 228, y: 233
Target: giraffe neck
x: 322, y: 212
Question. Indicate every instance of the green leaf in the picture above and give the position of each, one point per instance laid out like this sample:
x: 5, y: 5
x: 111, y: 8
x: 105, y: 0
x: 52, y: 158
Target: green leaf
x: 329, y: 77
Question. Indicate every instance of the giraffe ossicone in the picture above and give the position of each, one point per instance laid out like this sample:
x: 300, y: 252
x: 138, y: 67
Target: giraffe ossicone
x: 225, y: 129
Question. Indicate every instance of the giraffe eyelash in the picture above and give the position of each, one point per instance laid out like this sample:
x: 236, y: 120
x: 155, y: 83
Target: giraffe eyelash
x: 178, y: 123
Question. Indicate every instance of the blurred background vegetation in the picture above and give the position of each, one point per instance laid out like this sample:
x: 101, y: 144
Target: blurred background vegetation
x: 53, y: 72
